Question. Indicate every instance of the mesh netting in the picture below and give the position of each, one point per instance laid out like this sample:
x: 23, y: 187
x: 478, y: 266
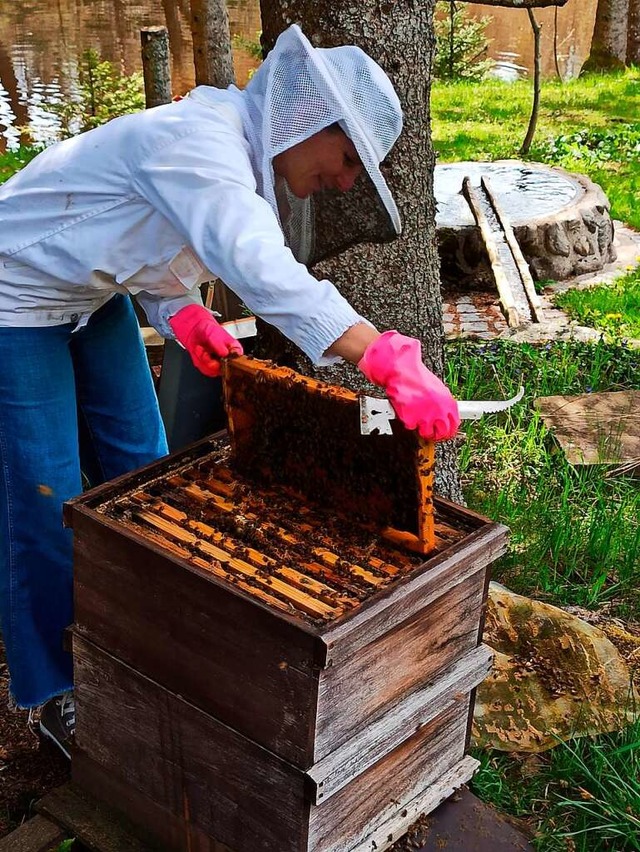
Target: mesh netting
x: 298, y: 91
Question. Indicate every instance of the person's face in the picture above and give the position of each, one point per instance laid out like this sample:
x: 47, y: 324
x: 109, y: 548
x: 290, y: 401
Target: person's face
x: 327, y: 160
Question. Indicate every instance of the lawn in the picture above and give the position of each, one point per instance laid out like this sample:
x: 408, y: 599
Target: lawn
x: 612, y: 308
x: 575, y: 533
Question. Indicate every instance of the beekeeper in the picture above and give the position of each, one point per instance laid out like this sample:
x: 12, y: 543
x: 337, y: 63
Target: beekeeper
x: 152, y: 205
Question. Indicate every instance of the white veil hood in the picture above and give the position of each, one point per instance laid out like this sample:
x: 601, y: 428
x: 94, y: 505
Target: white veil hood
x: 298, y: 91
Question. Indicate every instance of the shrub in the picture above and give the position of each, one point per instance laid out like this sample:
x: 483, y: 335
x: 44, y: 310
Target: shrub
x: 593, y: 146
x: 104, y: 94
x: 461, y: 46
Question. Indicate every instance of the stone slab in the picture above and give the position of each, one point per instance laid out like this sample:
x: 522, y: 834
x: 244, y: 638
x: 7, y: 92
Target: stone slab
x: 595, y: 428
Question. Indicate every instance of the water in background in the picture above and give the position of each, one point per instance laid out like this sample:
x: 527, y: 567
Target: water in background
x: 565, y: 38
x: 41, y: 42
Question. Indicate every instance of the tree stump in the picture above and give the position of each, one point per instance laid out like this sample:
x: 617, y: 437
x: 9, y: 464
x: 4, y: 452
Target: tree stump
x: 560, y: 219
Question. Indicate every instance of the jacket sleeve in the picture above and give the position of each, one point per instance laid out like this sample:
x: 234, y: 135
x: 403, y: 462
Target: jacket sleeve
x: 204, y: 185
x: 159, y: 309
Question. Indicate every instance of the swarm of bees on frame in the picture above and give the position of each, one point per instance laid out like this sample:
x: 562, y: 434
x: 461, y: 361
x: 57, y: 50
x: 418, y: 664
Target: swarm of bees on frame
x: 293, y: 510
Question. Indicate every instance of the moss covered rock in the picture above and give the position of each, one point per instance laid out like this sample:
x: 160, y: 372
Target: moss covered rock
x: 554, y: 677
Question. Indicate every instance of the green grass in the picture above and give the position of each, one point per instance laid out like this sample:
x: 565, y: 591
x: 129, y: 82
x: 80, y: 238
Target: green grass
x: 614, y: 308
x: 12, y: 161
x: 575, y: 539
x: 488, y: 121
x: 583, y: 795
x: 575, y: 534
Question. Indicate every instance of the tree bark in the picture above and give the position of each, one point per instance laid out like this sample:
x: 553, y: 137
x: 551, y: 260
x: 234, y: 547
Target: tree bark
x: 211, y: 43
x: 609, y: 42
x: 155, y: 65
x: 633, y: 33
x: 397, y: 284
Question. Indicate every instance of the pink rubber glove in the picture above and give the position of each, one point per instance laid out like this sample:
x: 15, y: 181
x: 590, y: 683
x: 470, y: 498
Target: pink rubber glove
x: 419, y: 398
x: 203, y: 338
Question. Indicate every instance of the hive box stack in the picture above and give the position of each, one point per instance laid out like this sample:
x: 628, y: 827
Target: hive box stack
x: 264, y: 658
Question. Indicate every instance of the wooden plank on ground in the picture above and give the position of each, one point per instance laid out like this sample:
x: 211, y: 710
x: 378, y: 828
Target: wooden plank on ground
x: 535, y: 303
x: 36, y: 835
x: 595, y: 428
x: 507, y: 275
x: 89, y: 821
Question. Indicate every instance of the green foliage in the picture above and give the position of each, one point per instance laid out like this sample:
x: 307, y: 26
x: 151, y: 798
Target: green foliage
x: 104, y: 94
x: 593, y: 146
x: 252, y: 47
x: 614, y: 308
x: 12, y: 161
x: 487, y: 121
x: 66, y: 846
x: 583, y: 795
x: 461, y: 46
x: 575, y: 534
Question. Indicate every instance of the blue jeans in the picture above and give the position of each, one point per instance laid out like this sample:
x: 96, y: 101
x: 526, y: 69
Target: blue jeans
x: 68, y: 402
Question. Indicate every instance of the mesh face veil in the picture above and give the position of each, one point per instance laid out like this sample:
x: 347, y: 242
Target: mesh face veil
x: 298, y: 91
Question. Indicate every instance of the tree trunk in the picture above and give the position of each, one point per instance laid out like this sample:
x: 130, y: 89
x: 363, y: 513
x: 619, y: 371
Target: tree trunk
x: 609, y: 42
x: 537, y: 74
x: 395, y: 285
x: 155, y: 66
x: 211, y: 43
x: 633, y: 33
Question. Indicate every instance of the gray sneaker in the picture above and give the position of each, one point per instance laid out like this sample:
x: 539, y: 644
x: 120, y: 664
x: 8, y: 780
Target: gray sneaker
x: 58, y: 721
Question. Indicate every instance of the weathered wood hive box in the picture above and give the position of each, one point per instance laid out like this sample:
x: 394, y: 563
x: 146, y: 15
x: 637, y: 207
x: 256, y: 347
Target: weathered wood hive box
x: 276, y: 646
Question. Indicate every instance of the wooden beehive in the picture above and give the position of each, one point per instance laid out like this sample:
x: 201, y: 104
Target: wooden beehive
x: 255, y: 668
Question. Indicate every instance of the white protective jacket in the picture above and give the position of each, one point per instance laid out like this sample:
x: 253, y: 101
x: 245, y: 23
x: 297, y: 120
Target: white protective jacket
x: 151, y: 204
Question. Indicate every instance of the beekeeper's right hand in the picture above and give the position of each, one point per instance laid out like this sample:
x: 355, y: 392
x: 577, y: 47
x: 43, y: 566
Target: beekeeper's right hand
x: 419, y: 398
x: 204, y: 339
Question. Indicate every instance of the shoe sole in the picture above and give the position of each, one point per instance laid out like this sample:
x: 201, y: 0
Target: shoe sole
x: 47, y: 733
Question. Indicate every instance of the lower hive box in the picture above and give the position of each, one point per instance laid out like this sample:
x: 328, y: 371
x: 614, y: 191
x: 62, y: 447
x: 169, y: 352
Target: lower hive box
x: 259, y: 670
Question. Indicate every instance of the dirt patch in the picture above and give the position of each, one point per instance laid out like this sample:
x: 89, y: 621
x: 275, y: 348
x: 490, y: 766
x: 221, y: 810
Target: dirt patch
x: 29, y: 766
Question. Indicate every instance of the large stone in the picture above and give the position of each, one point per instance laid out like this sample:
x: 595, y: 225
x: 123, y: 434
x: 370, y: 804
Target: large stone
x: 555, y: 677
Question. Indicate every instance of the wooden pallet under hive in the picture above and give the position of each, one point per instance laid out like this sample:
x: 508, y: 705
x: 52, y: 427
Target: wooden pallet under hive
x: 257, y: 669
